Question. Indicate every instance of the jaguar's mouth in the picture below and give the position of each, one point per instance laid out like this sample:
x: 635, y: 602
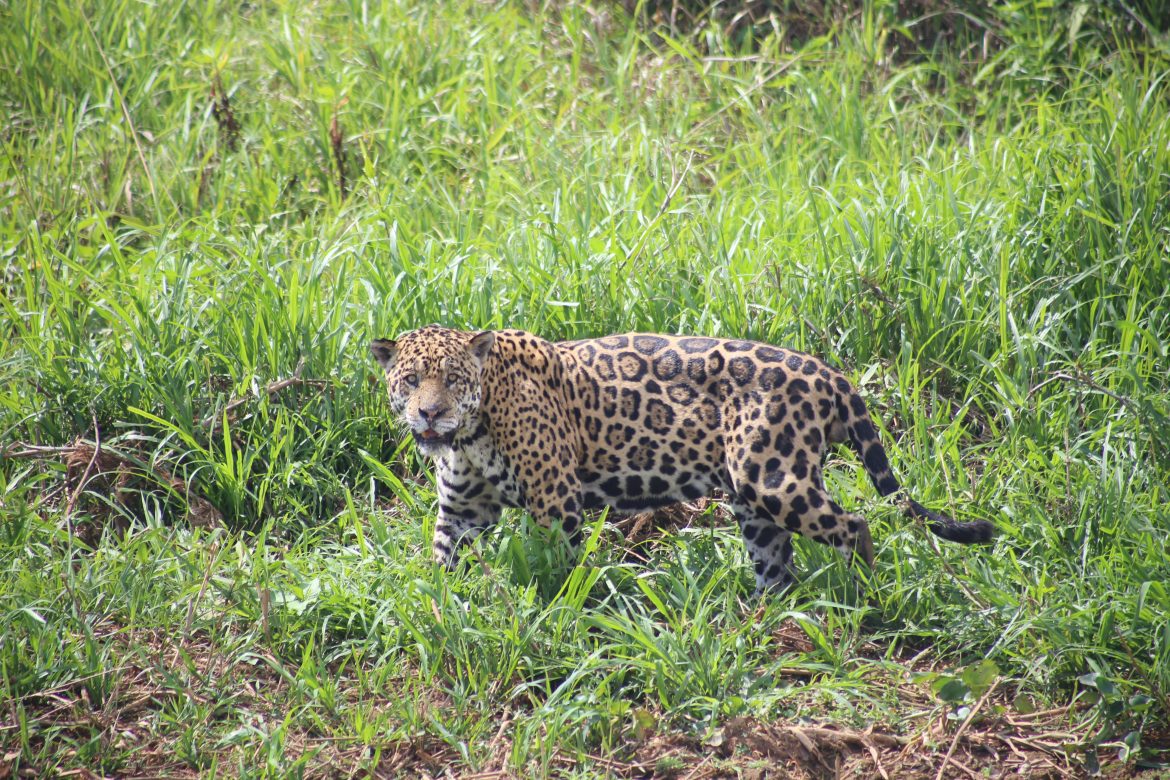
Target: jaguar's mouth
x: 432, y: 438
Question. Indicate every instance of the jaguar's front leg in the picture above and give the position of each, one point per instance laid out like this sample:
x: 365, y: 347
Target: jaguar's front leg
x: 467, y: 506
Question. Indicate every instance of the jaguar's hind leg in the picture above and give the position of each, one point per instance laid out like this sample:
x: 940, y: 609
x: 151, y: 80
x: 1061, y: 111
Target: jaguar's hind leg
x: 769, y: 513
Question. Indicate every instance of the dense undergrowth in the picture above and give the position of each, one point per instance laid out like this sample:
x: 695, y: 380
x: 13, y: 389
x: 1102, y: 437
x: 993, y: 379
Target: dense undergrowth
x: 208, y: 210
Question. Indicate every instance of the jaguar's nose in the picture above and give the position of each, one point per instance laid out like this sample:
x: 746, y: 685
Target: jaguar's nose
x: 431, y: 413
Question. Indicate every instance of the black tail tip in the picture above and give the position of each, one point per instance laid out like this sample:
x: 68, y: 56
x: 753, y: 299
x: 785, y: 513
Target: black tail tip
x: 973, y: 532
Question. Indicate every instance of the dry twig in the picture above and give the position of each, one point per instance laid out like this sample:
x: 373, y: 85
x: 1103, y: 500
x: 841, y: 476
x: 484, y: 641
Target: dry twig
x: 959, y: 733
x: 215, y: 420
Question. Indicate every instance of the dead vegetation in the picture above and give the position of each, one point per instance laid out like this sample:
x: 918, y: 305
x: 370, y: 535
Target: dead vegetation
x: 337, y: 147
x: 110, y: 484
x: 107, y: 484
x: 224, y: 115
x: 159, y: 668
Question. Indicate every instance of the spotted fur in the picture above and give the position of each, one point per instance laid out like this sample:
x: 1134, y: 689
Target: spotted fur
x: 638, y: 421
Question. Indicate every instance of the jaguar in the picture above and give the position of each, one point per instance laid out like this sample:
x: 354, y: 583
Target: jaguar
x: 637, y: 421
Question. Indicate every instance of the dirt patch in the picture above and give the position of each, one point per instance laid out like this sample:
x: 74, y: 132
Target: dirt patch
x: 751, y: 748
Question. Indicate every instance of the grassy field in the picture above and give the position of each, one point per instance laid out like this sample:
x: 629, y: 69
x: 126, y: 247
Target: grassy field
x: 213, y: 542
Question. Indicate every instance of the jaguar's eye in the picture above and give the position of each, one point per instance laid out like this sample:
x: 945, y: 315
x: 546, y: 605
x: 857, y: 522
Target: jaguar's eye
x: 410, y: 380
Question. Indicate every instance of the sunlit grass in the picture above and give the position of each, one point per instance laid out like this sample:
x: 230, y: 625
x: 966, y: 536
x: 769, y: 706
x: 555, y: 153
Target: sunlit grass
x: 986, y: 254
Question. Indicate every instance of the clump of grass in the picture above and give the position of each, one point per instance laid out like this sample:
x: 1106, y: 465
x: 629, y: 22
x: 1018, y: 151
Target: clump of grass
x: 193, y: 278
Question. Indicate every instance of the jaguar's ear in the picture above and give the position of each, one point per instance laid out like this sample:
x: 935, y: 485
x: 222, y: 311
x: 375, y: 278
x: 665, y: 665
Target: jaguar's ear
x: 481, y: 345
x: 385, y: 352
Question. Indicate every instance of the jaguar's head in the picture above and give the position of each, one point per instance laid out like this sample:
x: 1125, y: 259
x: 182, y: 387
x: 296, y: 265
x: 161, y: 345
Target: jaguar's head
x: 433, y: 379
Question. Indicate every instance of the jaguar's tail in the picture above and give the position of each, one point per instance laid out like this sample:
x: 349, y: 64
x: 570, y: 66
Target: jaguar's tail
x: 864, y: 440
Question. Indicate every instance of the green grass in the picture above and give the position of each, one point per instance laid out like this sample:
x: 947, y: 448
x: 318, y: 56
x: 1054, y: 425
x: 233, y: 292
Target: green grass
x: 982, y: 243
